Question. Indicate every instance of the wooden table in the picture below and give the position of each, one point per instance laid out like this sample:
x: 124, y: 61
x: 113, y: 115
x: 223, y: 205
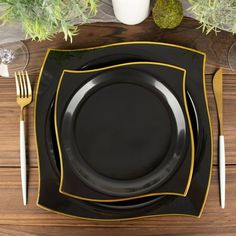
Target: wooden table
x: 15, y: 219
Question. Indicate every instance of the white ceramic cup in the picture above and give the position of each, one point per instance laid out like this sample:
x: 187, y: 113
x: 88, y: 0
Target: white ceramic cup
x: 131, y: 12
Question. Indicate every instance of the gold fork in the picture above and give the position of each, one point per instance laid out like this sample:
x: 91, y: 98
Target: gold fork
x: 23, y: 98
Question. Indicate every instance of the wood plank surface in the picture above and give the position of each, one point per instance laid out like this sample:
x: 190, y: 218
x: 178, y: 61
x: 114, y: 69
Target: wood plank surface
x: 14, y: 213
x: 15, y: 219
x: 6, y: 230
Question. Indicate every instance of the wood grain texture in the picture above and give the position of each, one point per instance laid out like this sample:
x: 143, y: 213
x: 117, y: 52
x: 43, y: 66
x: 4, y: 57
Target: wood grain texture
x: 15, y: 219
x: 14, y: 213
x: 9, y: 230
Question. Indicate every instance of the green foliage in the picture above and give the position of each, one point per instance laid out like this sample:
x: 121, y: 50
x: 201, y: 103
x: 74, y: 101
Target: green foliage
x: 215, y: 14
x: 42, y: 19
x: 167, y: 14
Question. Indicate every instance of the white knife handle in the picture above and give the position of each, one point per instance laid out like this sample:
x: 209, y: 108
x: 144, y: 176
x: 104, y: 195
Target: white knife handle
x: 222, y: 170
x: 23, y: 161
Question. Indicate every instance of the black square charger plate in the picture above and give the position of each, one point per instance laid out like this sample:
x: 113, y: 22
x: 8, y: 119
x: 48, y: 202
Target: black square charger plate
x: 124, y: 132
x: 49, y: 164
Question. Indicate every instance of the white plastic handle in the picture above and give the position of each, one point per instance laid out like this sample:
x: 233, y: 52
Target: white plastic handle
x: 222, y: 169
x: 23, y: 161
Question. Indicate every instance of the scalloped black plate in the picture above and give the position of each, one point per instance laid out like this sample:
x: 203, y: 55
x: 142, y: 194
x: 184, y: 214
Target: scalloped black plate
x: 55, y: 62
x: 123, y: 132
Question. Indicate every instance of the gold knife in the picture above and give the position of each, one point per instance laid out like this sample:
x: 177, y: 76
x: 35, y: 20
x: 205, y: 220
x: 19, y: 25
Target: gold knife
x: 218, y: 91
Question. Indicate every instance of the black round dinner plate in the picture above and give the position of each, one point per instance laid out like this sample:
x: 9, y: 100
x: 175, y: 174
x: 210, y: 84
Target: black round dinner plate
x: 123, y: 132
x: 55, y: 62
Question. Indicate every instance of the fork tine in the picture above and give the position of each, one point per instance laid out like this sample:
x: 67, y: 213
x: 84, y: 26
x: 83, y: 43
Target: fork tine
x: 28, y: 84
x: 17, y: 85
x: 24, y: 84
x: 21, y: 85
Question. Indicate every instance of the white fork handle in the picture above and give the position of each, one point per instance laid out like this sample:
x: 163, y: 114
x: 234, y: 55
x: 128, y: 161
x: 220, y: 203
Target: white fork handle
x: 23, y: 162
x: 222, y: 169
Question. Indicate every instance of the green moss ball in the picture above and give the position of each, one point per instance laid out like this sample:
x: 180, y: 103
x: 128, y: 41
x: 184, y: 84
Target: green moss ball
x: 167, y: 14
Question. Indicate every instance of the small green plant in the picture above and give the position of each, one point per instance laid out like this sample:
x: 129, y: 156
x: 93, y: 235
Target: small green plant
x: 215, y: 14
x: 167, y: 14
x: 42, y: 19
